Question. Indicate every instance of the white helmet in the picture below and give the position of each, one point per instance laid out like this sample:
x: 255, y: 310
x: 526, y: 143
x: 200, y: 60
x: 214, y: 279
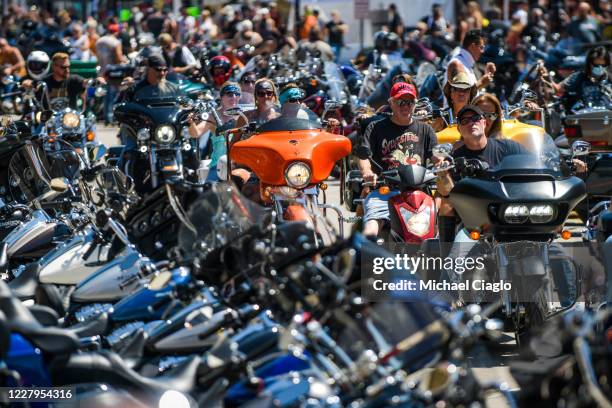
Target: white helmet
x: 38, y: 64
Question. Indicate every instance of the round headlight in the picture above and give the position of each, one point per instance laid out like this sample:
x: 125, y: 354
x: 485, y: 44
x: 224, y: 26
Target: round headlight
x: 143, y: 134
x: 298, y: 175
x: 71, y: 120
x: 516, y: 214
x: 541, y: 214
x: 165, y: 134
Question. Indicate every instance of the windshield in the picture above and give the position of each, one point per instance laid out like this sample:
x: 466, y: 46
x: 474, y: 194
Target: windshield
x: 221, y: 215
x: 291, y: 124
x: 165, y: 91
x: 541, y: 156
x: 335, y: 83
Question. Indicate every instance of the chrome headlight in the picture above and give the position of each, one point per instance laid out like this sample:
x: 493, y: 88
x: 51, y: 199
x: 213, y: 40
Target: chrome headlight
x: 298, y: 175
x: 516, y: 214
x: 143, y: 134
x: 71, y: 120
x: 165, y: 134
x: 541, y: 214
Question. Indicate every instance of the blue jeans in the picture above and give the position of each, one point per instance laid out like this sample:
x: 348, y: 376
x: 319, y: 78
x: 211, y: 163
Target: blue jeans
x: 109, y: 100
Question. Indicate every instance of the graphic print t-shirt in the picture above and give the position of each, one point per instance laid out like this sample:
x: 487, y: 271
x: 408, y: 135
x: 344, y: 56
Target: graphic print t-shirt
x: 392, y: 144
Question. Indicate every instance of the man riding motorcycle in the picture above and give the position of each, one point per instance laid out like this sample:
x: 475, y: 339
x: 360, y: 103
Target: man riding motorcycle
x: 156, y: 85
x: 476, y: 145
x: 393, y: 140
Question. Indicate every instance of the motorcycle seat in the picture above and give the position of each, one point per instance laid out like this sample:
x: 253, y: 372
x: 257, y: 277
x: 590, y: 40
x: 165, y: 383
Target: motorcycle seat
x: 94, y: 327
x: 24, y: 286
x: 108, y: 367
x: 51, y: 340
x: 44, y: 314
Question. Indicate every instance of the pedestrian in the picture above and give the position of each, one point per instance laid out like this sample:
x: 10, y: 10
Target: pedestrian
x: 336, y: 29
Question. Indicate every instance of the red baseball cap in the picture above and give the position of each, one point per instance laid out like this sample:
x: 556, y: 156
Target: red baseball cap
x: 402, y: 88
x: 113, y: 28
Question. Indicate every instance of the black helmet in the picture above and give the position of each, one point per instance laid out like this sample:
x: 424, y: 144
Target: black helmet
x: 392, y: 42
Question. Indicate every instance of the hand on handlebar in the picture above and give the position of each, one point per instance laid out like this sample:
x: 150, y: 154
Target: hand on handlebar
x: 581, y: 167
x: 369, y: 179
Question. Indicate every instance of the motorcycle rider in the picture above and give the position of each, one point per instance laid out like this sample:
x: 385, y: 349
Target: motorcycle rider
x: 290, y: 98
x: 219, y: 70
x: 472, y: 48
x: 12, y: 63
x: 584, y: 85
x: 476, y: 145
x: 230, y: 95
x: 60, y: 84
x: 390, y: 140
x: 178, y: 58
x: 155, y: 78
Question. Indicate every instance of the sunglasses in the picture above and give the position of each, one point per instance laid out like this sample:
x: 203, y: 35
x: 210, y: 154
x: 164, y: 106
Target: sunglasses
x: 470, y: 119
x: 248, y: 81
x: 405, y: 102
x: 233, y: 94
x: 600, y: 65
x: 294, y: 100
x: 161, y: 69
x: 63, y: 66
x: 265, y: 93
x: 490, y: 116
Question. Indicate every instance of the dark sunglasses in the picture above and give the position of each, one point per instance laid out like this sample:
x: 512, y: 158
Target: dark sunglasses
x: 490, y: 116
x: 470, y: 119
x: 600, y: 65
x: 294, y: 100
x: 405, y: 102
x: 63, y: 66
x: 237, y: 94
x: 161, y: 69
x: 265, y: 93
x: 248, y: 81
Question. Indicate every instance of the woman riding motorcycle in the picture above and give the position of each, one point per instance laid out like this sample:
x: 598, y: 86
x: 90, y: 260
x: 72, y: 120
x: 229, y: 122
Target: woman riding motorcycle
x: 459, y: 91
x: 230, y: 95
x: 583, y: 85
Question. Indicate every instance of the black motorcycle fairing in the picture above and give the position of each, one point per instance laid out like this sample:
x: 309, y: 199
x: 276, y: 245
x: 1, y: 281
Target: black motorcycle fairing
x: 478, y: 201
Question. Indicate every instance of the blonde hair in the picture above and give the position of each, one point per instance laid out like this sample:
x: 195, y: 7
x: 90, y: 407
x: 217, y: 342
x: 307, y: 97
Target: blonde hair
x: 496, y: 127
x: 62, y: 56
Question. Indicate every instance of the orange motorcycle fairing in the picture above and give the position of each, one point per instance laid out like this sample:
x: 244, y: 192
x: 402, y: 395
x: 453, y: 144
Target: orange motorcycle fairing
x: 269, y: 154
x: 296, y: 212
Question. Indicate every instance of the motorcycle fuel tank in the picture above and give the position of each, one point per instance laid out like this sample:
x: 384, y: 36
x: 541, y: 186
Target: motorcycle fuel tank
x: 36, y: 232
x: 114, y: 281
x: 66, y: 264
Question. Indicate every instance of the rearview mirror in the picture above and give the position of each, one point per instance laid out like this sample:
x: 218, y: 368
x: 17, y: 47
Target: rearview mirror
x: 59, y: 184
x: 185, y: 103
x: 581, y: 148
x: 233, y: 111
x: 562, y: 142
x: 442, y: 151
x: 331, y: 104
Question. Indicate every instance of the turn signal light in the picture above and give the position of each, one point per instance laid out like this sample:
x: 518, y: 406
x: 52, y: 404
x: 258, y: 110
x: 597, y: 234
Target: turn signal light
x: 323, y: 186
x: 566, y: 235
x: 90, y: 136
x: 384, y: 190
x: 475, y: 235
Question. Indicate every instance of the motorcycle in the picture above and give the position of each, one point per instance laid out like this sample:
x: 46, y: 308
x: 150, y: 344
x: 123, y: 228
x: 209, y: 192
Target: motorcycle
x: 413, y: 211
x: 514, y: 211
x: 291, y: 172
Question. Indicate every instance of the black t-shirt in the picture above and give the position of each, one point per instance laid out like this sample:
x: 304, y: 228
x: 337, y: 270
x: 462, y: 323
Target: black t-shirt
x: 70, y: 88
x: 392, y: 144
x: 336, y: 36
x: 578, y: 86
x: 493, y: 153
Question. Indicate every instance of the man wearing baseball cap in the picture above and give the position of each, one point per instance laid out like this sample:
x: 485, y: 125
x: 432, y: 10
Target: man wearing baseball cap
x: 390, y: 142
